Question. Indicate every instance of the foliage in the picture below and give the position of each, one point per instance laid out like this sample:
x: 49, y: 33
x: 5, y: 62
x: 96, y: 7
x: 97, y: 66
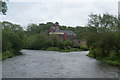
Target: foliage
x: 12, y: 39
x: 84, y: 48
x: 3, y: 7
x: 69, y: 50
x: 37, y: 41
x: 7, y: 54
x: 68, y: 43
x: 105, y: 39
x: 35, y: 29
x: 101, y: 34
x: 55, y: 41
x: 62, y: 50
x: 52, y: 49
x: 106, y: 20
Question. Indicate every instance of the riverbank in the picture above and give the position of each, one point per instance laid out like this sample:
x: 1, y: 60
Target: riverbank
x: 67, y: 49
x: 112, y: 59
x: 51, y: 64
x: 8, y: 54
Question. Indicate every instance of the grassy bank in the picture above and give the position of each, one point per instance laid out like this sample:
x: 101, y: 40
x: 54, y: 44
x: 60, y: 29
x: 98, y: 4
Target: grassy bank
x: 66, y: 49
x: 8, y: 54
x: 112, y: 59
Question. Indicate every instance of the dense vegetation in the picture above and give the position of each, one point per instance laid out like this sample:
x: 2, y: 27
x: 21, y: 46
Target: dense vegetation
x: 37, y: 38
x: 3, y: 7
x: 12, y: 39
x: 101, y: 35
x: 104, y: 38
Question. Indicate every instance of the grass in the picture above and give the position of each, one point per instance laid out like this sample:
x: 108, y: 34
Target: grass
x: 62, y: 50
x: 69, y: 50
x: 112, y: 62
x: 112, y: 59
x: 8, y: 54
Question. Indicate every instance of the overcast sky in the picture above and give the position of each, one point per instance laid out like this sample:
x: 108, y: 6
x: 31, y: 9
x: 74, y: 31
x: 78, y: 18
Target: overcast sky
x: 66, y: 12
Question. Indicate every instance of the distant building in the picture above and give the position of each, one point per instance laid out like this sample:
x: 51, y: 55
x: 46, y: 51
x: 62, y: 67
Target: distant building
x: 64, y: 34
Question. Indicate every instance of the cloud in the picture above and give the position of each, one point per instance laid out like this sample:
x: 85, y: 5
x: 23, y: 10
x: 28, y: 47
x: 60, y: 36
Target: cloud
x: 64, y: 0
x: 66, y: 13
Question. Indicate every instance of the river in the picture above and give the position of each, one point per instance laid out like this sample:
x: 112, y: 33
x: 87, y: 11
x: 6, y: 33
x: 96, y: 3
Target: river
x: 53, y: 64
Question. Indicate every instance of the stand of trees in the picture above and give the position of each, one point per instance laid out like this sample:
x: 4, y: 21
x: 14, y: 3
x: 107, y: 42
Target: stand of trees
x: 101, y: 34
x: 3, y: 7
x: 103, y: 39
x: 12, y: 39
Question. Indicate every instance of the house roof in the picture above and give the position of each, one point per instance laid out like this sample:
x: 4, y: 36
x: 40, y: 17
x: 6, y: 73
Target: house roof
x: 68, y: 32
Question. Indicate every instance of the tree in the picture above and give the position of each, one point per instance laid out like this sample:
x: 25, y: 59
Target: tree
x: 31, y: 42
x: 106, y: 20
x: 55, y: 41
x: 68, y: 43
x: 103, y: 37
x: 12, y: 37
x: 37, y: 41
x: 3, y: 7
x: 42, y: 40
x: 35, y: 29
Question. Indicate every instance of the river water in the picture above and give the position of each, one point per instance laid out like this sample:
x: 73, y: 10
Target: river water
x: 52, y: 64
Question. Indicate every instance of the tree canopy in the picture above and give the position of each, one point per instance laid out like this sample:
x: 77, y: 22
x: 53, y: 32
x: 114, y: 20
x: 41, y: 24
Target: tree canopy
x: 3, y: 7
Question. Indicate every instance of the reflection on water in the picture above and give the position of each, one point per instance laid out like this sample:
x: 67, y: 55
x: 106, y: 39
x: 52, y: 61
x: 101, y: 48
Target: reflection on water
x: 52, y: 64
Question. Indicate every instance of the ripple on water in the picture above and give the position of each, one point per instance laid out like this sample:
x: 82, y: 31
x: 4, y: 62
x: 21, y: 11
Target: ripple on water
x: 52, y: 64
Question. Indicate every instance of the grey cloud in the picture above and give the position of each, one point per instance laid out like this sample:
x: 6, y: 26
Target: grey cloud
x: 66, y: 13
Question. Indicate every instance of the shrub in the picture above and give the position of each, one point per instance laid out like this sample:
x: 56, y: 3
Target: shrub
x: 7, y: 54
x: 95, y: 53
x: 113, y: 56
x: 84, y: 48
x: 68, y: 43
x: 52, y: 49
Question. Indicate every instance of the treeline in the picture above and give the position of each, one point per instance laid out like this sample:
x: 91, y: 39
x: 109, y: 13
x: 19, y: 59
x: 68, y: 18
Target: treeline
x: 101, y: 35
x: 104, y: 40
x: 12, y: 39
x: 38, y: 38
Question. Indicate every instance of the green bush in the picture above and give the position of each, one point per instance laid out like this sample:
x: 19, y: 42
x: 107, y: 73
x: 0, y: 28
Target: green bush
x: 112, y: 59
x: 84, y: 48
x: 68, y: 43
x: 113, y: 56
x: 69, y: 50
x: 95, y: 53
x: 112, y: 62
x: 7, y: 54
x: 52, y: 49
x: 90, y: 54
x: 98, y: 52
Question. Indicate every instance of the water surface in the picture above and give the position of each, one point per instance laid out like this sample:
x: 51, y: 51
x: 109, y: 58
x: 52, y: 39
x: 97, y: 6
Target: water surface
x: 52, y: 64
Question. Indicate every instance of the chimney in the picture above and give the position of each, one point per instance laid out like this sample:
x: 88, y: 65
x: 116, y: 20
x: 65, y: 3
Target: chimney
x: 56, y: 26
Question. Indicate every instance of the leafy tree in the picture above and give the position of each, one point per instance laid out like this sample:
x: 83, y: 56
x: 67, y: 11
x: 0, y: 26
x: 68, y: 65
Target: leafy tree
x: 34, y: 28
x: 106, y: 20
x: 103, y: 36
x: 37, y: 41
x: 12, y: 37
x: 55, y: 41
x: 42, y: 40
x: 3, y: 7
x: 68, y: 43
